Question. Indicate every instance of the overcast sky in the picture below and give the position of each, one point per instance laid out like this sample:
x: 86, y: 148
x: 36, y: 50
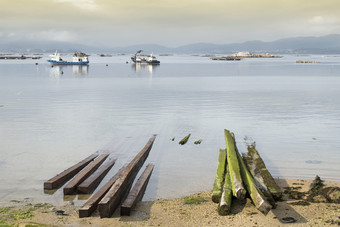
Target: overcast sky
x: 171, y: 23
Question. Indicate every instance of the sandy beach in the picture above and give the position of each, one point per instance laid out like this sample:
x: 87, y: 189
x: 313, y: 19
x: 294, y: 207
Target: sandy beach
x: 175, y: 212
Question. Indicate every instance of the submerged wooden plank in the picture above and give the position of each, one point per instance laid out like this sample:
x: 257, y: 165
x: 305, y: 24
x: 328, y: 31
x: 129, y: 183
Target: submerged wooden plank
x: 137, y: 191
x: 121, y: 187
x: 70, y: 188
x: 91, y: 205
x: 90, y: 184
x: 66, y: 175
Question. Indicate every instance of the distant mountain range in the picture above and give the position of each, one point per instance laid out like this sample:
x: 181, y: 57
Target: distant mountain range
x: 329, y: 44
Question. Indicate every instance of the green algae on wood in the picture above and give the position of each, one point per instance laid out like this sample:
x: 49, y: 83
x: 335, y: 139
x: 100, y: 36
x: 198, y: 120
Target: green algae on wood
x: 264, y: 180
x: 234, y: 168
x: 198, y: 141
x: 219, y: 178
x: 225, y: 203
x: 184, y: 140
x: 255, y: 193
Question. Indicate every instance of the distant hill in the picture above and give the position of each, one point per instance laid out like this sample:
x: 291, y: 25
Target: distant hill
x: 329, y: 44
x: 42, y: 47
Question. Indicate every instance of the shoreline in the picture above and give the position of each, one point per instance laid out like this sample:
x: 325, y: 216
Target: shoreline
x: 174, y: 212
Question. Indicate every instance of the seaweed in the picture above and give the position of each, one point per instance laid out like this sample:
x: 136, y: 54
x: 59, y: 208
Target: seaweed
x: 185, y: 139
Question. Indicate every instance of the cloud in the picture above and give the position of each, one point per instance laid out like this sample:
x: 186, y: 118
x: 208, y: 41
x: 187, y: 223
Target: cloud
x: 82, y: 4
x: 54, y: 35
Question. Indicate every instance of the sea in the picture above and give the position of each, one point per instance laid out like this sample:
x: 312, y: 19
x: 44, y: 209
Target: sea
x: 53, y: 117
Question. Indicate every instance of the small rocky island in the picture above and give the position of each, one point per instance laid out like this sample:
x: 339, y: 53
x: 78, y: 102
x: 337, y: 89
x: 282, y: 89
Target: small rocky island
x: 245, y: 54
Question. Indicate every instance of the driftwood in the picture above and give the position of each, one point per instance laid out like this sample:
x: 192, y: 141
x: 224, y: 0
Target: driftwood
x: 225, y: 203
x: 234, y: 168
x: 219, y: 178
x: 66, y: 175
x: 121, y: 187
x: 255, y: 193
x: 90, y: 184
x: 91, y: 205
x: 71, y: 187
x: 137, y: 192
x: 262, y: 176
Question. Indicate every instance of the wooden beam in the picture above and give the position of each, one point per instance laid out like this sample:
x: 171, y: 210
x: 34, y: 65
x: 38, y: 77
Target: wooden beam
x: 234, y: 168
x: 91, y: 205
x: 255, y: 193
x: 219, y: 177
x: 121, y: 187
x: 70, y: 188
x: 262, y: 176
x: 66, y: 175
x: 90, y: 184
x: 224, y: 206
x: 137, y: 192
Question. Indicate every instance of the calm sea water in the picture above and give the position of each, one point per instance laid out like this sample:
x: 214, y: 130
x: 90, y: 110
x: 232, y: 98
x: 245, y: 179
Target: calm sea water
x: 52, y: 117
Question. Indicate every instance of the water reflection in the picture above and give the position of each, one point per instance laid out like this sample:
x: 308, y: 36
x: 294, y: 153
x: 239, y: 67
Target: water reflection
x: 144, y: 67
x: 80, y: 70
x: 77, y: 70
x: 56, y: 71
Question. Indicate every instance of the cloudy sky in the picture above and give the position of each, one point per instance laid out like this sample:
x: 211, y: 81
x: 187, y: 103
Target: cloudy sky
x: 166, y: 22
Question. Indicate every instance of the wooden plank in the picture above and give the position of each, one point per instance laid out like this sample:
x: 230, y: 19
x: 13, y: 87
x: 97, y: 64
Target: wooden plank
x: 137, y: 192
x: 255, y: 193
x: 66, y: 175
x: 234, y: 168
x: 120, y: 188
x: 91, y: 205
x: 219, y: 177
x: 90, y: 184
x: 224, y: 206
x: 70, y: 188
x: 264, y: 180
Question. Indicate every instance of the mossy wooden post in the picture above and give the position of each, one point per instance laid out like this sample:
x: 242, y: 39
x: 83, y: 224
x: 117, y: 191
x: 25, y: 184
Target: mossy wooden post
x: 234, y: 168
x: 258, y: 179
x: 219, y: 178
x: 262, y: 176
x: 184, y: 140
x: 255, y: 193
x: 225, y: 204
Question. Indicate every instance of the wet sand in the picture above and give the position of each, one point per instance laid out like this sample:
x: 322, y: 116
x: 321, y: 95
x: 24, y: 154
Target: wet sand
x: 174, y: 212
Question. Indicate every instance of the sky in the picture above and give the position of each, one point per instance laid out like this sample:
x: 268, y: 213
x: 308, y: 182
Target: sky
x: 172, y: 23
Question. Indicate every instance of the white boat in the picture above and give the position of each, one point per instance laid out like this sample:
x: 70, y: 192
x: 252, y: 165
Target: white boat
x: 139, y: 58
x: 78, y: 58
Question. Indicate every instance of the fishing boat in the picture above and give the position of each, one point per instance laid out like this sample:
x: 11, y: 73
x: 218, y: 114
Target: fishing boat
x: 79, y: 58
x: 139, y: 58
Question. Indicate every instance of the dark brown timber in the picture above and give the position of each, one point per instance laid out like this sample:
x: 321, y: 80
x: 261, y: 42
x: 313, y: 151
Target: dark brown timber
x: 71, y: 187
x: 122, y: 186
x: 137, y: 192
x: 91, y: 205
x: 66, y: 175
x: 90, y: 184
